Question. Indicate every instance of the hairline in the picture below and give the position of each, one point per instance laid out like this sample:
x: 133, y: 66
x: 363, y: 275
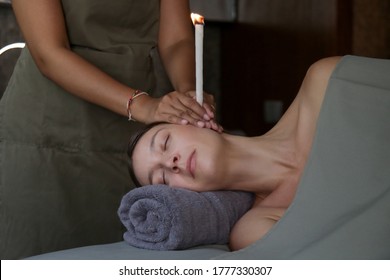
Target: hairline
x: 134, y: 140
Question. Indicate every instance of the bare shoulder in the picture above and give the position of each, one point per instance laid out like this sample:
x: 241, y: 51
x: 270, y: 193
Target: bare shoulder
x: 314, y: 85
x: 324, y: 67
x: 317, y: 77
x: 253, y: 226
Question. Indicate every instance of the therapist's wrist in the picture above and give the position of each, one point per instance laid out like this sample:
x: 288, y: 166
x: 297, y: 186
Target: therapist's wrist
x: 185, y: 87
x: 142, y: 108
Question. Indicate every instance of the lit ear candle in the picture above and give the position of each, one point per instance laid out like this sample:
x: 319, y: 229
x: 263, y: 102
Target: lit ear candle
x: 198, y: 21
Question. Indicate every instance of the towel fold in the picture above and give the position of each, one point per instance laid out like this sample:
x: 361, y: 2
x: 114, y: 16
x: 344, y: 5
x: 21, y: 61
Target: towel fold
x: 159, y: 217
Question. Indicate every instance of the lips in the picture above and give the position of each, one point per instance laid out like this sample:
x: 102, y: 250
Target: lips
x: 191, y: 163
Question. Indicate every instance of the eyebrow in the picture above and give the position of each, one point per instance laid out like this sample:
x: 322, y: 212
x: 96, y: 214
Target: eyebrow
x: 152, y: 144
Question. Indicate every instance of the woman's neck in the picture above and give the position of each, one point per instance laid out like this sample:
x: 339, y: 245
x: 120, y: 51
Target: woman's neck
x: 259, y: 164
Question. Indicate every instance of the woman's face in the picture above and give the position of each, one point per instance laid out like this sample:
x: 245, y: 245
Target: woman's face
x: 179, y: 156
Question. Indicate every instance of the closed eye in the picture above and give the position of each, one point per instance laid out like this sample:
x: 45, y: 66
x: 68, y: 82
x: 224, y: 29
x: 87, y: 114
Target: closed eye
x: 164, y: 149
x: 166, y: 142
x: 164, y: 180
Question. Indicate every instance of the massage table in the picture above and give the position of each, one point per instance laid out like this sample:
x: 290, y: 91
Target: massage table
x: 342, y: 206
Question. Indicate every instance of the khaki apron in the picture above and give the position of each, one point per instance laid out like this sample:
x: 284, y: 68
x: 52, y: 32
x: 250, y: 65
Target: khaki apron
x: 63, y: 167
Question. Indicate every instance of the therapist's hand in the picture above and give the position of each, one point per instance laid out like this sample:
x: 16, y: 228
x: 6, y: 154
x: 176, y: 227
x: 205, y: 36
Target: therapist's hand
x: 178, y: 108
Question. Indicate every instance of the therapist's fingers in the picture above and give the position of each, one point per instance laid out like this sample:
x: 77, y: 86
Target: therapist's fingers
x: 208, y: 104
x: 210, y: 107
x: 197, y: 108
x: 179, y: 108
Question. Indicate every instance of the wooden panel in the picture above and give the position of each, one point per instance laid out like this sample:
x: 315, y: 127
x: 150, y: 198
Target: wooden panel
x: 371, y: 36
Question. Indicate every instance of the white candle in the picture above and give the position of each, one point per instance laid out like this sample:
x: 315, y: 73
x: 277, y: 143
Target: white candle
x: 198, y: 21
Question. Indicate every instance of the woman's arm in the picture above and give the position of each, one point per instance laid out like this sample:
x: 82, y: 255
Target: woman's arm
x: 43, y: 26
x: 253, y: 226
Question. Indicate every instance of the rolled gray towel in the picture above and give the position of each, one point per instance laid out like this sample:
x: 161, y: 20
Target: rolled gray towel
x: 159, y: 217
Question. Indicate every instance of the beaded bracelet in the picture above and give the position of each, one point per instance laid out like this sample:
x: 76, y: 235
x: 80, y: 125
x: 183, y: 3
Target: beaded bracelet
x: 137, y: 93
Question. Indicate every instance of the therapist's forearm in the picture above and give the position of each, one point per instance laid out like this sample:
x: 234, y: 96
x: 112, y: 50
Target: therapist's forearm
x: 176, y: 43
x: 86, y: 81
x: 43, y: 25
x: 179, y: 62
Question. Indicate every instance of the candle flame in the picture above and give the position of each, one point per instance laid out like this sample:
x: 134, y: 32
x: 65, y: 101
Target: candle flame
x: 197, y: 19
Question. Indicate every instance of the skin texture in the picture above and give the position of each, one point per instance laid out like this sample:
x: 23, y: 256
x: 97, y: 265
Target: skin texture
x: 43, y: 26
x: 269, y: 165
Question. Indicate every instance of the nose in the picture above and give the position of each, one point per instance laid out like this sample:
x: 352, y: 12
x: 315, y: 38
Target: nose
x: 172, y: 163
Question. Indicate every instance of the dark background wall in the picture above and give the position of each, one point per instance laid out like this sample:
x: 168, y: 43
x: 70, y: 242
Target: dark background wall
x: 371, y: 28
x: 266, y: 53
x: 255, y: 62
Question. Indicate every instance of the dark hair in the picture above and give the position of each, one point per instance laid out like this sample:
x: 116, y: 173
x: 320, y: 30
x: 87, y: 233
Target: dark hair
x: 131, y: 146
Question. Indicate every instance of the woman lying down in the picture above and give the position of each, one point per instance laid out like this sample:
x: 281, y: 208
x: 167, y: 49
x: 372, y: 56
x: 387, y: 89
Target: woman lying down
x: 270, y: 165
